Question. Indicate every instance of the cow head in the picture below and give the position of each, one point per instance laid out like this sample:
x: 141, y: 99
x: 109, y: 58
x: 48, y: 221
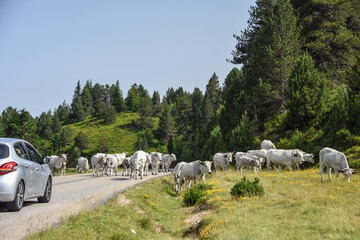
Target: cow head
x: 63, y: 156
x: 297, y: 154
x: 208, y: 166
x: 228, y: 157
x: 309, y: 158
x: 173, y: 157
x: 347, y: 173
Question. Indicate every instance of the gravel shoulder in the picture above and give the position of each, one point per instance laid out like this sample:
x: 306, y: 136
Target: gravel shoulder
x: 71, y: 194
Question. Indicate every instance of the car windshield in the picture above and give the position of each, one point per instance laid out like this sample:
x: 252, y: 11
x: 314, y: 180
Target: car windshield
x: 4, y: 151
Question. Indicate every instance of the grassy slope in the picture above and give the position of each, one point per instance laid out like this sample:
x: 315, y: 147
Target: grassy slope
x: 295, y: 206
x: 120, y: 136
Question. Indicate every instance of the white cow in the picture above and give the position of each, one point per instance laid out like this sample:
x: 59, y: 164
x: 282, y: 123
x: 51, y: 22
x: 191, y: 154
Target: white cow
x: 111, y: 163
x: 267, y: 144
x: 262, y: 154
x: 147, y: 164
x: 282, y: 157
x: 58, y: 164
x: 192, y: 171
x: 155, y: 162
x: 83, y: 164
x: 308, y: 157
x: 126, y: 164
x: 138, y: 161
x: 166, y: 161
x: 120, y: 157
x: 222, y: 160
x: 247, y: 160
x: 97, y: 163
x: 332, y: 158
x: 176, y: 175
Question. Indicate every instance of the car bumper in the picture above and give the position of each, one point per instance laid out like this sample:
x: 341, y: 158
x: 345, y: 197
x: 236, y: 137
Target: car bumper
x: 8, y: 186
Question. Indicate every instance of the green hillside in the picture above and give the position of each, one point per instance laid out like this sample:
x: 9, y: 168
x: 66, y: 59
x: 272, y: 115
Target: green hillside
x: 120, y: 136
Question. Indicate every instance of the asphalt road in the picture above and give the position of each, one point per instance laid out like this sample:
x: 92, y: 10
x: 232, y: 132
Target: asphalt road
x: 70, y: 195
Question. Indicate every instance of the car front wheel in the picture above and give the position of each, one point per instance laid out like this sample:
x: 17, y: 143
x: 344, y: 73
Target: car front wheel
x: 18, y: 201
x: 47, y: 194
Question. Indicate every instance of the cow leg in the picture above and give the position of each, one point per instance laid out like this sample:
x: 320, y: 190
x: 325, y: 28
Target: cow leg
x: 289, y: 167
x: 337, y: 174
x: 328, y: 169
x: 322, y: 171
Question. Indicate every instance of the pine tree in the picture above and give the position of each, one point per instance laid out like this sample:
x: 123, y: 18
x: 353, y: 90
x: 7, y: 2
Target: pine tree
x: 98, y: 95
x: 195, y: 115
x: 235, y: 101
x: 146, y: 111
x: 156, y: 103
x: 117, y: 99
x: 183, y: 118
x: 166, y: 123
x: 65, y: 136
x: 87, y: 100
x: 63, y: 112
x: 81, y: 141
x: 304, y: 94
x: 77, y: 113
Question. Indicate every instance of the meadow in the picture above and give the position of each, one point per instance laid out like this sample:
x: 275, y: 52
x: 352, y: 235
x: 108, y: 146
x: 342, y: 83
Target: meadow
x: 295, y: 206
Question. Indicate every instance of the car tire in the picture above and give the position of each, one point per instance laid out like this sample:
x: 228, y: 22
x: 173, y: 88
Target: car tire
x: 47, y: 194
x: 18, y: 201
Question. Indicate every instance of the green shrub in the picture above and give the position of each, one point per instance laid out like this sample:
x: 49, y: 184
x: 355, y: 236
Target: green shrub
x: 246, y: 188
x: 196, y: 194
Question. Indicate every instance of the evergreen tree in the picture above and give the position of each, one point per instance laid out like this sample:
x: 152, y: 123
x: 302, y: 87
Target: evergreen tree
x: 117, y: 99
x: 213, y: 144
x: 11, y: 122
x: 259, y: 15
x: 109, y: 114
x: 27, y: 129
x: 87, y: 100
x: 195, y: 115
x: 146, y: 111
x: 213, y: 93
x: 304, y: 95
x: 132, y: 100
x: 77, y: 91
x: 45, y: 126
x: 243, y: 136
x: 98, y: 95
x: 77, y: 113
x: 235, y: 101
x: 331, y: 33
x: 156, y: 103
x: 166, y: 124
x: 353, y: 82
x: 183, y: 118
x: 65, y: 136
x: 81, y: 141
x: 63, y: 112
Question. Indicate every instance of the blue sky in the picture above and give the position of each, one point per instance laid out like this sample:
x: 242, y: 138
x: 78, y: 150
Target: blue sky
x: 47, y: 46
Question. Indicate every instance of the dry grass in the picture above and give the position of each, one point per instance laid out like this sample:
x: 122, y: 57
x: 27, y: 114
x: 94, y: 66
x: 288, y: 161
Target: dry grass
x: 295, y: 206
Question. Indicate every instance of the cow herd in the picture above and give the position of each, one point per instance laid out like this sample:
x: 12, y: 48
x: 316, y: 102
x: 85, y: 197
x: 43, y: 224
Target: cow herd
x: 137, y: 165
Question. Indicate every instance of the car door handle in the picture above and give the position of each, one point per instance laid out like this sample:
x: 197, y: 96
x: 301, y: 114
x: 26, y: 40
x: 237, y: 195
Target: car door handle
x: 26, y: 165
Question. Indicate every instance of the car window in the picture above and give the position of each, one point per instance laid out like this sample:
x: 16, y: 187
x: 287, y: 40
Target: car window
x: 4, y: 151
x: 20, y: 151
x: 34, y: 156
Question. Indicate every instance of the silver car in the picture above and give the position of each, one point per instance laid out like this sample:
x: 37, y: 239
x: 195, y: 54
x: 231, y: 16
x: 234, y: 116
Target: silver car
x: 24, y: 174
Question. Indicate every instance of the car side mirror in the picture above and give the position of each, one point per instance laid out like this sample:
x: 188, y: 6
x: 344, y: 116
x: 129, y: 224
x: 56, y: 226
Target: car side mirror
x: 45, y: 160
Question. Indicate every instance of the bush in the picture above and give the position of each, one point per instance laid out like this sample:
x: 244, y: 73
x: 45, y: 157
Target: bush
x: 246, y: 188
x: 196, y: 194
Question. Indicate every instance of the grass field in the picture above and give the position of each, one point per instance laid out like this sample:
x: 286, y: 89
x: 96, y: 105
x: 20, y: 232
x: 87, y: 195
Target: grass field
x: 295, y: 206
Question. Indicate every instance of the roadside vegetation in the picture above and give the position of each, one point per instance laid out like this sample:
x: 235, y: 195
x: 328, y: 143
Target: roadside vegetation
x: 294, y: 205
